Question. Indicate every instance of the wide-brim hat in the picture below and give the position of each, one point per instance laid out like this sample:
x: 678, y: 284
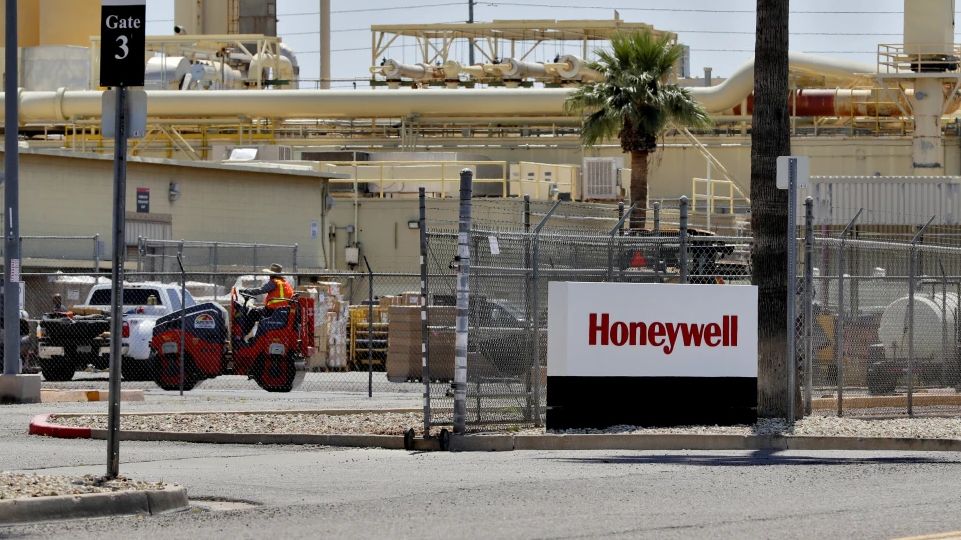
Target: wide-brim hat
x: 274, y: 269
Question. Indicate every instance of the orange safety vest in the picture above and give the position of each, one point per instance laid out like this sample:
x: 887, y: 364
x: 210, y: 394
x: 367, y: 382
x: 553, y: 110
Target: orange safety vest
x: 281, y: 293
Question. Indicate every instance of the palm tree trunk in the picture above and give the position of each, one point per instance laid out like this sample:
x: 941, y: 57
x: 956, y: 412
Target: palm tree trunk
x: 770, y: 138
x: 639, y: 187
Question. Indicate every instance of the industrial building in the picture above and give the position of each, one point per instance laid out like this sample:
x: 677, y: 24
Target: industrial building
x: 233, y: 132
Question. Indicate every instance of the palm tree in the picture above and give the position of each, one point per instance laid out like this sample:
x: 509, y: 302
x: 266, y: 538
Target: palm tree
x: 770, y: 138
x: 636, y: 103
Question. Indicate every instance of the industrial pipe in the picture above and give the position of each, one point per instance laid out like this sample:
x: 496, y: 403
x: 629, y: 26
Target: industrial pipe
x: 517, y: 69
x: 69, y: 105
x: 392, y: 69
x: 63, y: 105
x: 574, y: 68
x: 740, y: 84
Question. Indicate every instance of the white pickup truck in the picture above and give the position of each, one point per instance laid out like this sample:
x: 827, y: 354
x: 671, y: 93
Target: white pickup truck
x: 143, y: 304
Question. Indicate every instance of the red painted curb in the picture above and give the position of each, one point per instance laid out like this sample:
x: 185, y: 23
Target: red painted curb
x: 40, y: 425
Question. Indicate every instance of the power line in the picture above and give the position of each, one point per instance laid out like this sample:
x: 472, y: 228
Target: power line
x: 676, y: 10
x: 724, y: 32
x: 369, y: 10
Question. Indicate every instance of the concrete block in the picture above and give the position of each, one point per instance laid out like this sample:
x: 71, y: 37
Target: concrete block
x: 19, y: 388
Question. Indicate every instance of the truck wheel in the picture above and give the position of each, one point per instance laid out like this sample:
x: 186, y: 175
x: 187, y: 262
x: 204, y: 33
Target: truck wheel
x: 167, y: 375
x: 132, y: 370
x: 57, y: 368
x: 881, y: 379
x: 102, y: 362
x: 276, y: 373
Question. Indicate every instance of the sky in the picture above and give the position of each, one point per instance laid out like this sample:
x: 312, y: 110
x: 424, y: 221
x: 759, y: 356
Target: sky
x: 720, y: 34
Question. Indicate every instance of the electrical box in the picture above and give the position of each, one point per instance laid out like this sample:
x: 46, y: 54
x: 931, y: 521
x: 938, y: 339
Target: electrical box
x: 352, y: 255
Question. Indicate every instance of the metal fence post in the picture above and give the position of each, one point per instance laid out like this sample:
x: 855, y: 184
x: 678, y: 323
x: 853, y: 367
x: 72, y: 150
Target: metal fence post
x: 616, y: 230
x: 529, y: 382
x: 912, y: 271
x: 808, y: 301
x: 96, y: 253
x: 295, y: 248
x: 839, y: 324
x: 791, y: 300
x: 945, y: 369
x: 424, y: 309
x: 657, y: 239
x: 370, y: 329
x: 141, y: 252
x: 463, y: 303
x: 682, y: 241
x: 535, y: 312
x: 657, y: 218
x: 912, y: 261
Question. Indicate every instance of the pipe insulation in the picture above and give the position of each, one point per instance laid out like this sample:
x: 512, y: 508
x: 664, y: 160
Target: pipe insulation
x: 740, y: 84
x: 69, y: 105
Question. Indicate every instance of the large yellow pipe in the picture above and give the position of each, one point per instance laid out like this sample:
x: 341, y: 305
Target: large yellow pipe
x: 63, y: 105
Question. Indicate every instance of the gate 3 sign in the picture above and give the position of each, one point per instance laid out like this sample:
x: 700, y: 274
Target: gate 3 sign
x: 123, y: 25
x: 650, y: 354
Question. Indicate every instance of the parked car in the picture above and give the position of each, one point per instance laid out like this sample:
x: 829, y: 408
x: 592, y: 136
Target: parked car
x: 71, y: 340
x: 502, y: 334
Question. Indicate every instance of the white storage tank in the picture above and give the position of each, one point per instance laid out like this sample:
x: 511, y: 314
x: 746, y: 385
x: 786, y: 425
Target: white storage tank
x: 933, y: 314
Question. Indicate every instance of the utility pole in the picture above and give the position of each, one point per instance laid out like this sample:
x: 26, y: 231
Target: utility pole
x: 470, y: 20
x: 11, y: 198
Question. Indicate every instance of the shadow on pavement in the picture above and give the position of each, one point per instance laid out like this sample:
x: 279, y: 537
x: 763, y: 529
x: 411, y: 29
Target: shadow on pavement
x: 756, y: 458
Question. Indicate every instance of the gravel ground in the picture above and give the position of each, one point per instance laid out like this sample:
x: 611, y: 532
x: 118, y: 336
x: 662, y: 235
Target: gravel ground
x: 15, y: 485
x: 397, y: 423
x: 320, y: 424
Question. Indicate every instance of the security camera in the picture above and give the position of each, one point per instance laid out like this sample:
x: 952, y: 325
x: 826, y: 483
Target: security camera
x: 179, y: 29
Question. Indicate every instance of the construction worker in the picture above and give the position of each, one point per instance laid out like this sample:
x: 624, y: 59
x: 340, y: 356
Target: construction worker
x: 278, y: 292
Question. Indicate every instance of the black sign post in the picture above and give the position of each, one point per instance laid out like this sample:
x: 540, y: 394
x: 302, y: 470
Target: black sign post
x: 122, y: 32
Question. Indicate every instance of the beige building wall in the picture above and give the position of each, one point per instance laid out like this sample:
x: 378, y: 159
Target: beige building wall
x: 61, y: 195
x: 202, y: 16
x: 55, y: 22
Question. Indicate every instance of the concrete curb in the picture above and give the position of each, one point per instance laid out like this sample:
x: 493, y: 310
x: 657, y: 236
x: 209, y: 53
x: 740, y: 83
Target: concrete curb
x: 40, y: 425
x: 93, y: 505
x: 74, y: 396
x: 330, y: 412
x: 867, y: 402
x: 391, y: 442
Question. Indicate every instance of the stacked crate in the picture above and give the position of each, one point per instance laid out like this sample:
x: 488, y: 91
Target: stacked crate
x: 404, y: 356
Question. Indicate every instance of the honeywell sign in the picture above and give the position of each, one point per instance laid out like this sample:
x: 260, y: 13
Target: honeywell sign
x: 650, y: 354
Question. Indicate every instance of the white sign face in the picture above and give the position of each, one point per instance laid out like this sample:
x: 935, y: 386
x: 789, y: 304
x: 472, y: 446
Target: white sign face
x: 495, y: 247
x: 14, y: 270
x: 651, y: 330
x: 803, y: 165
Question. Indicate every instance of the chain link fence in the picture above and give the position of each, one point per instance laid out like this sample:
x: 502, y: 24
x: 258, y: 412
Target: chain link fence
x: 514, y: 253
x: 878, y: 323
x: 336, y: 334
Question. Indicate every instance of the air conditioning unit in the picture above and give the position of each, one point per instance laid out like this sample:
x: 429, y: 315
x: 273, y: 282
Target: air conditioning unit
x: 600, y: 180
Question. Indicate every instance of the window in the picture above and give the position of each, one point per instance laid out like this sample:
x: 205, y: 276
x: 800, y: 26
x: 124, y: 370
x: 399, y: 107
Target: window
x: 131, y: 297
x: 175, y: 299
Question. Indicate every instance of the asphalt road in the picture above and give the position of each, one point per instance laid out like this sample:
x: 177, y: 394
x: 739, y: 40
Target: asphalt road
x: 314, y: 492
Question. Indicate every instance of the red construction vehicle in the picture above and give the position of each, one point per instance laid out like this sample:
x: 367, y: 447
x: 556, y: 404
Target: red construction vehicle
x: 273, y: 355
